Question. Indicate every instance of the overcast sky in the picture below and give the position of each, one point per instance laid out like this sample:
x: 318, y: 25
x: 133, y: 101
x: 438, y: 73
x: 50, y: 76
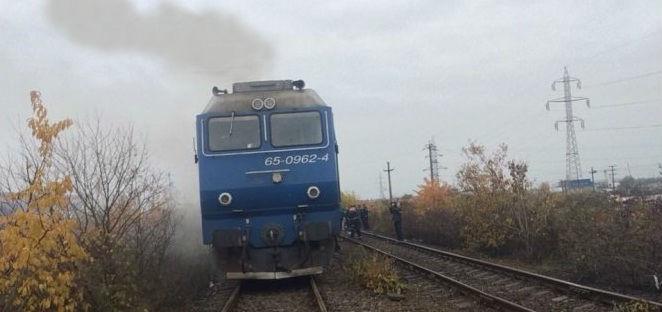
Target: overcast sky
x: 396, y: 73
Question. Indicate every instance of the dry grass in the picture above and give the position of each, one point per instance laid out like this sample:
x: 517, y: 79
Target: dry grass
x: 635, y: 306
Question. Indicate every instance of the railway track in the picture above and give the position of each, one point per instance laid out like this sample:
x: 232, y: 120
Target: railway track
x: 296, y: 294
x: 498, y: 285
x: 423, y: 293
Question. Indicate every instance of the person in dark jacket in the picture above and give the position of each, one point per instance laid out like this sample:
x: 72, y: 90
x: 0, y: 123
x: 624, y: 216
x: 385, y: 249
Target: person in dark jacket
x: 396, y: 216
x: 364, y: 217
x: 354, y: 220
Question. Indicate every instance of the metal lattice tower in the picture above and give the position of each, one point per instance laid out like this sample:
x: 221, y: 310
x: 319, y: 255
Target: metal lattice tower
x: 433, y: 158
x: 573, y: 169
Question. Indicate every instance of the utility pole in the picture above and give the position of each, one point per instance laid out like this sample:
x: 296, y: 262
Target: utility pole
x: 593, y: 172
x: 388, y: 171
x: 381, y: 186
x: 613, y: 181
x: 572, y: 163
x: 433, y: 156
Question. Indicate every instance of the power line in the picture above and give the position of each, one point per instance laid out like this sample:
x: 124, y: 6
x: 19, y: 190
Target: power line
x: 627, y: 104
x: 506, y: 125
x: 624, y: 128
x: 658, y: 72
x: 388, y: 171
x: 593, y: 172
x: 613, y: 181
x: 622, y: 44
x: 381, y: 186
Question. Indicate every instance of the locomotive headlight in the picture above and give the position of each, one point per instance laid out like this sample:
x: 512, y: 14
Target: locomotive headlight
x: 225, y: 199
x: 277, y: 177
x: 269, y: 103
x: 313, y: 192
x: 257, y: 104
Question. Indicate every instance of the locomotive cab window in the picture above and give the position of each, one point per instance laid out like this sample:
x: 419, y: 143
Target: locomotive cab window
x: 293, y: 129
x: 234, y: 133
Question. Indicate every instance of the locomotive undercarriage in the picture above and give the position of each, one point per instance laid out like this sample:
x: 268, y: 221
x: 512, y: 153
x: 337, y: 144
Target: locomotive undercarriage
x: 301, y: 258
x: 237, y: 258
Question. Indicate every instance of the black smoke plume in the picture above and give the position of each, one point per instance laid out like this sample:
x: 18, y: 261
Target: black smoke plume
x: 210, y: 42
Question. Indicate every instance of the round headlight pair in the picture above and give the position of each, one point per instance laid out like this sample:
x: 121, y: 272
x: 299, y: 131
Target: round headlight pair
x: 268, y: 103
x: 313, y: 192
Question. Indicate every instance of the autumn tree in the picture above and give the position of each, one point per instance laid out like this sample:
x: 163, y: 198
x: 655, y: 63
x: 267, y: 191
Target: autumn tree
x: 484, y: 182
x: 434, y: 217
x: 499, y: 206
x: 431, y: 195
x: 39, y: 252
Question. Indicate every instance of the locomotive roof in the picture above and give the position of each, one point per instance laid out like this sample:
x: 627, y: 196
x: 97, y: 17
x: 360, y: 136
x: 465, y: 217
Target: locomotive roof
x: 282, y: 91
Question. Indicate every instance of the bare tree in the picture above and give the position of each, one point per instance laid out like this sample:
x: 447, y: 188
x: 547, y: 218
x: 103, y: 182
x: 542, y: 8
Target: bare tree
x: 19, y: 169
x: 114, y: 186
x: 123, y: 205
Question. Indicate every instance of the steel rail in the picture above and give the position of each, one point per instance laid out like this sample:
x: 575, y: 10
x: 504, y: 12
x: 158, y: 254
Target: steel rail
x: 234, y: 296
x: 580, y: 289
x: 318, y: 296
x: 466, y: 288
x: 232, y: 300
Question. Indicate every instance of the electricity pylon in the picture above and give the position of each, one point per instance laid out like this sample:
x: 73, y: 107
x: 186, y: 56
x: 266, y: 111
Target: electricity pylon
x: 433, y: 158
x: 573, y: 169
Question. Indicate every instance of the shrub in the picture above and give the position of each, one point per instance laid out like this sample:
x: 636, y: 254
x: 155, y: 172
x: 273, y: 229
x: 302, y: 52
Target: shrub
x: 376, y: 273
x: 605, y: 242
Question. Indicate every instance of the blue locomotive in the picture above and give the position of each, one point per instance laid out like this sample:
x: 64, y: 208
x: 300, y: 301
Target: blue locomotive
x: 268, y: 171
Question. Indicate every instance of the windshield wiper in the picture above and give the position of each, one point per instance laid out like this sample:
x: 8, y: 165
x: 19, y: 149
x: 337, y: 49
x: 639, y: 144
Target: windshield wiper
x: 231, y: 123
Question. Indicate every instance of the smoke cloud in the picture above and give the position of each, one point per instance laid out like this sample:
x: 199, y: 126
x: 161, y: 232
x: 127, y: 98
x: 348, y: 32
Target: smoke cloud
x: 210, y: 42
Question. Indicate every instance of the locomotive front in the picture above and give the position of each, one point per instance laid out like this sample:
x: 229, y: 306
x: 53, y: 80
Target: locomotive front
x: 268, y: 173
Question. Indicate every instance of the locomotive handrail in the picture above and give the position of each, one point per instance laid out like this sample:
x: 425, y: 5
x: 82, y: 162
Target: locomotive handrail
x: 267, y: 171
